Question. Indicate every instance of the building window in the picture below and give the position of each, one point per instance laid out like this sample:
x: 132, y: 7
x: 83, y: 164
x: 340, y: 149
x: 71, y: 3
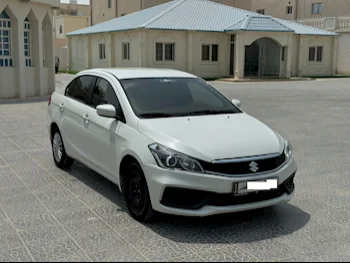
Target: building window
x: 317, y: 8
x: 61, y: 29
x: 109, y: 3
x: 289, y: 10
x: 5, y: 40
x: 102, y: 51
x: 210, y: 52
x: 283, y: 55
x: 165, y: 51
x: 316, y: 54
x: 27, y: 43
x: 126, y: 51
x: 261, y: 11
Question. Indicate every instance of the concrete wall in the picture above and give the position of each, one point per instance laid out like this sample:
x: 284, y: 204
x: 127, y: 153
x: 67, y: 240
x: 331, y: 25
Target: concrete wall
x: 37, y: 79
x: 343, y: 63
x: 301, y: 8
x: 101, y: 12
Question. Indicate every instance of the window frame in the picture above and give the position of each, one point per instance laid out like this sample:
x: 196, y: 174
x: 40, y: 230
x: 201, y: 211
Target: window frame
x: 102, y: 51
x: 261, y: 11
x: 210, y: 55
x: 119, y: 110
x: 74, y: 89
x: 319, y: 8
x: 283, y: 53
x: 289, y: 10
x: 109, y: 4
x: 173, y: 44
x: 315, y: 55
x: 6, y: 26
x: 127, y: 45
x: 27, y: 35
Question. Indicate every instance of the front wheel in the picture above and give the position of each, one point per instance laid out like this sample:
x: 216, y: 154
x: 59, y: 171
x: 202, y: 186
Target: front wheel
x: 137, y: 194
x: 62, y: 160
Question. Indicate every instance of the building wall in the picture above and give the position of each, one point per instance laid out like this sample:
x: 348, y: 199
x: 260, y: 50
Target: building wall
x: 343, y: 63
x: 131, y: 37
x: 83, y: 10
x: 323, y: 68
x: 100, y: 11
x: 130, y: 6
x: 301, y: 8
x: 31, y: 74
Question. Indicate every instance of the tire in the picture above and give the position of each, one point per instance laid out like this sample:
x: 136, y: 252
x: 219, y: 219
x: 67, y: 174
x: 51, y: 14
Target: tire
x: 137, y: 195
x: 60, y: 157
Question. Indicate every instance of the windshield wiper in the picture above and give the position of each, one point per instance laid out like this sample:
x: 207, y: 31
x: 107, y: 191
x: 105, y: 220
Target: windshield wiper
x: 210, y: 112
x: 156, y: 115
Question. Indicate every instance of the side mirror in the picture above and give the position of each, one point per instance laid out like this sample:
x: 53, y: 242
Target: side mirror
x: 237, y: 103
x: 107, y: 110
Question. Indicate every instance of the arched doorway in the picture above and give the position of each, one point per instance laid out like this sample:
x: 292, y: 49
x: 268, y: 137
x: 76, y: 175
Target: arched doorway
x: 262, y: 58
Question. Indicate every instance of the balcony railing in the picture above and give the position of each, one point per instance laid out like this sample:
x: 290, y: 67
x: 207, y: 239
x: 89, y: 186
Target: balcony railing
x: 327, y: 23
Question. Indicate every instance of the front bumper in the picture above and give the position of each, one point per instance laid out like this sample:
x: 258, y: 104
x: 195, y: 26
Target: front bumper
x: 194, y: 194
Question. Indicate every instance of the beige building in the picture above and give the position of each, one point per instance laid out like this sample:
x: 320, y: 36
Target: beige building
x: 233, y: 43
x: 104, y: 10
x: 26, y: 48
x: 68, y: 18
x: 301, y: 9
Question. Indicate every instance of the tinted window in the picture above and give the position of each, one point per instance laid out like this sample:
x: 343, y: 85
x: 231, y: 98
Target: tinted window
x: 83, y: 88
x: 161, y: 97
x: 70, y: 89
x: 104, y: 94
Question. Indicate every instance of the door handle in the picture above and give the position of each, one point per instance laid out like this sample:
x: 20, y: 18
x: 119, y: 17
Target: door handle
x: 62, y: 107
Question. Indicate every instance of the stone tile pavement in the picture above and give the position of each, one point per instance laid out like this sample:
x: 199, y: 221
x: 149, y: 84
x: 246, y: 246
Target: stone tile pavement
x: 50, y: 215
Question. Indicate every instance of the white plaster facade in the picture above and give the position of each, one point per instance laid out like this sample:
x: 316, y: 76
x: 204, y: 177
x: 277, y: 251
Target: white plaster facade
x: 26, y: 48
x: 84, y: 52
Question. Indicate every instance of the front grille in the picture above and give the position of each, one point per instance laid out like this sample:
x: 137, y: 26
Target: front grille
x: 195, y: 199
x: 243, y: 168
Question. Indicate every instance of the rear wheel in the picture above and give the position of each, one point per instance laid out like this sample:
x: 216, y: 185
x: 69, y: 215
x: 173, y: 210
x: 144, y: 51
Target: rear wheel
x: 62, y: 160
x: 137, y: 194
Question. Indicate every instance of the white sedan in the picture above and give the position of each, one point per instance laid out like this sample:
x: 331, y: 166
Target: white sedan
x: 171, y: 142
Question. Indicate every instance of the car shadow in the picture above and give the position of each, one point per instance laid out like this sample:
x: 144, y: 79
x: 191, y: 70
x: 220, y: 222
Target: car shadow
x: 241, y: 227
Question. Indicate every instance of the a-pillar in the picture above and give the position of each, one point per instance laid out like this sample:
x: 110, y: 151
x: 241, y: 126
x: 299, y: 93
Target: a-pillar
x: 239, y: 56
x: 289, y: 56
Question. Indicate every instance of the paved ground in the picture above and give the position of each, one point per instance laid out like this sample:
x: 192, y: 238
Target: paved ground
x: 50, y: 215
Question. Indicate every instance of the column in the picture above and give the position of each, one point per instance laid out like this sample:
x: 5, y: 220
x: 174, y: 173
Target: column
x: 190, y: 52
x: 142, y: 47
x: 239, y: 56
x: 289, y: 57
x: 87, y: 51
x: 335, y: 56
x: 18, y: 53
x: 301, y: 56
x: 70, y: 58
x: 49, y: 57
x: 37, y: 46
x: 110, y: 50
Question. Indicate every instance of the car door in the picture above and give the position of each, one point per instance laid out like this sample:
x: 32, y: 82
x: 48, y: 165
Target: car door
x: 102, y: 131
x: 75, y: 117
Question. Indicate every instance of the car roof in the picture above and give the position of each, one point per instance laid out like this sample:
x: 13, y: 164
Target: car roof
x: 137, y: 73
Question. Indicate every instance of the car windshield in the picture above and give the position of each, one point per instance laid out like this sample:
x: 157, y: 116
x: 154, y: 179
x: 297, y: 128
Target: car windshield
x: 171, y: 97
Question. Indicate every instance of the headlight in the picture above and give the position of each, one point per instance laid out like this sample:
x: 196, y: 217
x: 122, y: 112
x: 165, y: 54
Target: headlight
x: 288, y: 150
x: 168, y: 158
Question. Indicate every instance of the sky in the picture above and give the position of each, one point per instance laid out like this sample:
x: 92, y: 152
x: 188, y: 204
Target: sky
x: 82, y: 2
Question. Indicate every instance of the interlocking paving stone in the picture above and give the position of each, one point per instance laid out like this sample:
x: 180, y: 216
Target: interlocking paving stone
x: 47, y: 214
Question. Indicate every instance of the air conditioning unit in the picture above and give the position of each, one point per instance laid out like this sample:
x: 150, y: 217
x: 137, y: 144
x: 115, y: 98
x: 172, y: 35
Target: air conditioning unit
x: 329, y: 23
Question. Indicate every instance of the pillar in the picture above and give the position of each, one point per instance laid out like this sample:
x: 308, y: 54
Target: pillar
x: 37, y: 55
x: 142, y: 49
x: 87, y: 51
x: 190, y: 52
x: 239, y: 56
x: 70, y: 58
x: 335, y: 56
x: 110, y: 52
x: 301, y: 56
x: 289, y: 56
x: 19, y: 59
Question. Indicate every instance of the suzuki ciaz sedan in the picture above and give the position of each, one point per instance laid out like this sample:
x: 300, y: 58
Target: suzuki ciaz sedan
x: 171, y: 143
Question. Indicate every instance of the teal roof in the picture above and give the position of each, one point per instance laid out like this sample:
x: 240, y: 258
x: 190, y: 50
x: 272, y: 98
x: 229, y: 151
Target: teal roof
x: 199, y: 15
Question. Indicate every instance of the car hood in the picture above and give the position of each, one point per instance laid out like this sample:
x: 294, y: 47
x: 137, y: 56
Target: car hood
x: 213, y: 137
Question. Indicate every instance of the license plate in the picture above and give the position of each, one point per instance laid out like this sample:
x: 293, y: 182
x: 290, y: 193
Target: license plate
x: 243, y: 188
